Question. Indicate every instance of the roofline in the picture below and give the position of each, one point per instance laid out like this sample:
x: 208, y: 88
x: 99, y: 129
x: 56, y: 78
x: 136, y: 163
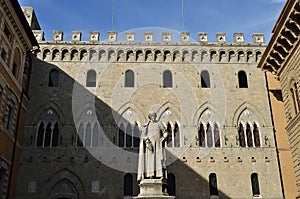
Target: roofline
x: 24, y: 22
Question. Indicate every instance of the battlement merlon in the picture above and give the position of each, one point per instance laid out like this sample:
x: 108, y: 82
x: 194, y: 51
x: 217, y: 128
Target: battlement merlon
x: 31, y: 17
x: 166, y: 38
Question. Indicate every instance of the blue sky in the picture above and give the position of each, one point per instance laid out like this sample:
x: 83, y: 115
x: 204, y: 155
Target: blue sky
x: 212, y: 16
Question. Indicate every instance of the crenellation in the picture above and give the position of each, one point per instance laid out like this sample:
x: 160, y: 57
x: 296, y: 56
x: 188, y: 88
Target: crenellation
x: 94, y: 36
x: 39, y: 35
x: 238, y: 38
x: 258, y: 38
x: 221, y: 38
x: 202, y: 37
x: 167, y: 37
x: 185, y: 38
x: 58, y: 35
x: 76, y: 36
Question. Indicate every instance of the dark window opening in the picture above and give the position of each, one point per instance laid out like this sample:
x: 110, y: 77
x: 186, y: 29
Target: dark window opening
x: 121, y: 136
x: 249, y: 136
x: 167, y: 79
x: 255, y: 184
x: 205, y: 79
x: 91, y: 78
x: 213, y: 187
x: 80, y: 136
x: 128, y: 185
x: 53, y: 78
x: 176, y: 136
x: 209, y: 136
x: 48, y: 135
x: 129, y: 78
x: 241, y: 136
x: 171, y: 184
x: 217, y: 135
x: 169, y: 138
x: 55, y: 136
x: 128, y: 136
x: 243, y: 82
x: 201, y: 135
x: 40, y: 135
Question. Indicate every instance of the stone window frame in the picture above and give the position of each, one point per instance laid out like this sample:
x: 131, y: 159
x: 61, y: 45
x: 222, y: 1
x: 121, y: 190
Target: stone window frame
x: 242, y: 79
x: 167, y: 78
x: 255, y: 185
x: 91, y: 78
x: 85, y: 127
x: 129, y: 78
x: 205, y: 79
x: 173, y: 140
x: 128, y: 184
x: 213, y: 136
x: 134, y: 134
x: 213, y: 184
x: 251, y: 127
x: 294, y: 97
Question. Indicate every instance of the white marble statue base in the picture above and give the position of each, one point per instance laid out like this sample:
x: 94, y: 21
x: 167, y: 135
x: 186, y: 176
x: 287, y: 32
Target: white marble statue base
x: 152, y: 189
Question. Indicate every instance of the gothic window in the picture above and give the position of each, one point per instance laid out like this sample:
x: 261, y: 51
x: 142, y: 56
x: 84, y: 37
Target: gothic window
x: 80, y: 136
x: 255, y: 184
x: 91, y: 78
x: 241, y: 136
x: 128, y: 185
x: 121, y: 136
x: 209, y: 136
x: 205, y: 79
x: 216, y: 135
x: 213, y: 187
x: 201, y: 135
x: 128, y: 136
x: 95, y: 140
x: 53, y: 78
x: 129, y: 78
x: 176, y: 135
x: 40, y: 136
x: 171, y: 184
x: 169, y: 138
x: 16, y: 63
x: 295, y: 97
x: 167, y: 79
x: 10, y: 118
x: 242, y: 77
x: 88, y: 135
x: 136, y: 134
x: 55, y: 135
x: 249, y: 135
x: 48, y: 135
x: 256, y: 135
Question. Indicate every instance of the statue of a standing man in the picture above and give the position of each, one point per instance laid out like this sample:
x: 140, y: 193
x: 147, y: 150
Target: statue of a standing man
x: 151, y: 149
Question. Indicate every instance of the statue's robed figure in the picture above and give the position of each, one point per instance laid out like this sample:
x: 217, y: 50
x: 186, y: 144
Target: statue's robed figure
x: 151, y: 149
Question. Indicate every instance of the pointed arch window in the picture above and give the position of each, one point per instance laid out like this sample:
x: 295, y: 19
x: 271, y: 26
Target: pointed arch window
x: 80, y: 136
x: 121, y: 136
x: 249, y: 135
x: 213, y: 186
x: 95, y: 140
x: 128, y: 185
x: 176, y: 135
x: 136, y: 134
x: 201, y: 135
x: 169, y: 138
x: 129, y: 78
x: 48, y: 135
x: 256, y: 135
x: 295, y: 97
x: 55, y: 135
x: 209, y: 135
x: 255, y: 184
x: 88, y: 135
x: 171, y: 184
x: 53, y: 78
x: 217, y: 135
x: 40, y: 136
x: 241, y: 136
x: 129, y: 136
x: 167, y: 79
x: 242, y: 77
x: 205, y: 79
x: 91, y: 78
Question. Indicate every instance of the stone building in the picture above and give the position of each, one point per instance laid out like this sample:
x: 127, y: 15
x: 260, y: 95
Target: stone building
x: 16, y: 43
x: 90, y: 100
x: 281, y: 58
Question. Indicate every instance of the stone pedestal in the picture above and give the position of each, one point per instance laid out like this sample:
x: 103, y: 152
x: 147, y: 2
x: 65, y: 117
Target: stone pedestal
x: 152, y: 189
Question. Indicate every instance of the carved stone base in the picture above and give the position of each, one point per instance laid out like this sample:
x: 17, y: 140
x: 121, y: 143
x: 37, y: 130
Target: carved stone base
x: 152, y: 189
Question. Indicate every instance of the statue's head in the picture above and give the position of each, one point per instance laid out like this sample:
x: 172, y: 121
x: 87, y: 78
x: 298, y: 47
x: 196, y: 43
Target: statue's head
x: 152, y: 116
